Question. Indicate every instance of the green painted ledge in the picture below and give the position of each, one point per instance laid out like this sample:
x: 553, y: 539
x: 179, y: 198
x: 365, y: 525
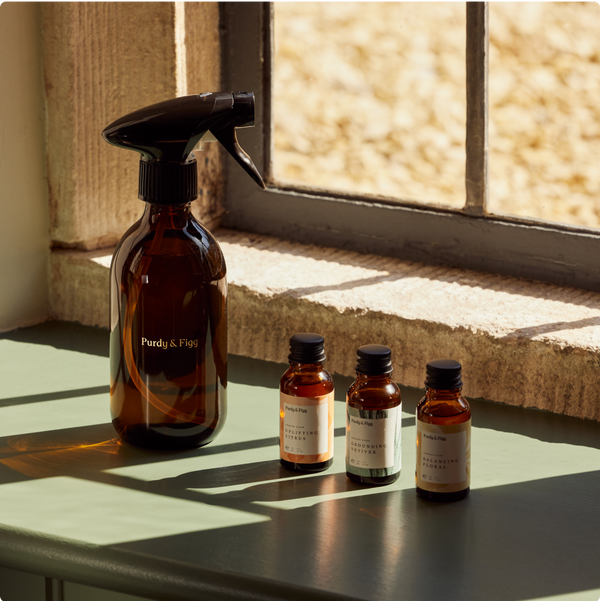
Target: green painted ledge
x: 226, y: 522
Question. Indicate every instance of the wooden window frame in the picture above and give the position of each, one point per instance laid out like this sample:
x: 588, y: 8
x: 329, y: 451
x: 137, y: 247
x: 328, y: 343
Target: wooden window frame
x: 469, y: 238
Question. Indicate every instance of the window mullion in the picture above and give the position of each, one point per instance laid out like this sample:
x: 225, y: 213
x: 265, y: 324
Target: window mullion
x: 476, y: 171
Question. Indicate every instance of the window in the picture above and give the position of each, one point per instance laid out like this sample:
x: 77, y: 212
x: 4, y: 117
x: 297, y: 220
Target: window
x: 369, y: 108
x: 467, y: 237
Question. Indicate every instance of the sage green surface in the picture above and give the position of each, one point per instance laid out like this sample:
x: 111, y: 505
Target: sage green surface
x: 227, y: 522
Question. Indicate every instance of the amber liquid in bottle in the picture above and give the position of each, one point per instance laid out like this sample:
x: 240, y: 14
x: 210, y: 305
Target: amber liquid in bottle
x: 307, y: 380
x: 371, y: 394
x: 168, y: 339
x: 444, y: 408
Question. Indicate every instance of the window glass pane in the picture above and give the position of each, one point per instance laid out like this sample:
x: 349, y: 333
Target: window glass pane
x: 545, y: 111
x: 370, y: 98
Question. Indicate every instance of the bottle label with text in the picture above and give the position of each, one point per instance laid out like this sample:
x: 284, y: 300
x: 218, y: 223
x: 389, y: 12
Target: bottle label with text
x: 373, y: 441
x: 443, y: 456
x: 170, y: 343
x: 306, y: 428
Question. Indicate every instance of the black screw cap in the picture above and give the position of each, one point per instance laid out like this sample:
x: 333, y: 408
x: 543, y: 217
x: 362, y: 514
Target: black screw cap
x: 444, y: 374
x: 374, y: 360
x: 307, y: 348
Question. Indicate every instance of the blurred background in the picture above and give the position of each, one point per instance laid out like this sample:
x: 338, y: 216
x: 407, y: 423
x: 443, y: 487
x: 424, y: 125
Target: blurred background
x: 370, y: 98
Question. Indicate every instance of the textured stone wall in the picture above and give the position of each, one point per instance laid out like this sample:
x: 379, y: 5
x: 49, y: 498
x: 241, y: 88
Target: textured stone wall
x: 101, y: 61
x: 521, y: 343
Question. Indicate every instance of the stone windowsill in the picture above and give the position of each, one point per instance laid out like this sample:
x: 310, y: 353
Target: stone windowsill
x: 522, y: 343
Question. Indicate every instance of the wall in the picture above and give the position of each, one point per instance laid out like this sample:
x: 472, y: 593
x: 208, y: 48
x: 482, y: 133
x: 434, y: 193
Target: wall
x: 102, y: 61
x: 24, y: 238
x: 68, y: 70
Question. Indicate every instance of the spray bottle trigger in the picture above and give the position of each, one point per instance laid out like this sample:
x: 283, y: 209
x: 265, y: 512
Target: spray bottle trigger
x: 228, y: 138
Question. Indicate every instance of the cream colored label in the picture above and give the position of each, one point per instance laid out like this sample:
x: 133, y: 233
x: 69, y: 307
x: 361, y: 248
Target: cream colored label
x: 371, y: 442
x: 306, y: 428
x: 443, y: 456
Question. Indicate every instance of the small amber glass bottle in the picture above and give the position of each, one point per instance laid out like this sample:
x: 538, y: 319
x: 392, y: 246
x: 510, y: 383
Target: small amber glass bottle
x: 373, y: 419
x: 306, y: 407
x: 443, y: 435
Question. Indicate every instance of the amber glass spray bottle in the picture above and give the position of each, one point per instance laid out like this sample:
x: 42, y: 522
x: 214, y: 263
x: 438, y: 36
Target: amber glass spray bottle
x: 168, y: 288
x: 373, y: 419
x: 443, y: 435
x: 306, y: 407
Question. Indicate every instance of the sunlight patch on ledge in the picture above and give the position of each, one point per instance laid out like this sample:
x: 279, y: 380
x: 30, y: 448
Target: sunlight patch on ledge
x: 103, y: 514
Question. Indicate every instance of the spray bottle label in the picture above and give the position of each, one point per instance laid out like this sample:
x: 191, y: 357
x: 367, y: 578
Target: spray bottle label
x: 170, y: 343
